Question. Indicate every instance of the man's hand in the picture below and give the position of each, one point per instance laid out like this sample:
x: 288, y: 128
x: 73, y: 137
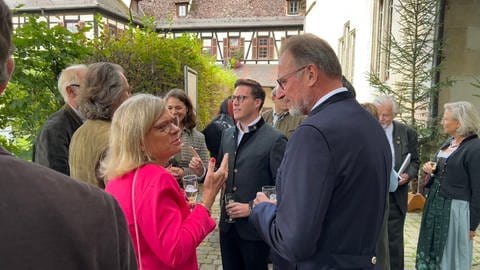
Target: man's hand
x: 238, y: 210
x: 403, y: 179
x: 261, y: 197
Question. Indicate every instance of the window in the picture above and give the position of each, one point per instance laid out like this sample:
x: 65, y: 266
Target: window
x: 209, y: 46
x: 182, y: 9
x: 382, y: 26
x: 346, y: 51
x: 71, y: 26
x: 233, y: 47
x: 263, y: 48
x: 292, y: 7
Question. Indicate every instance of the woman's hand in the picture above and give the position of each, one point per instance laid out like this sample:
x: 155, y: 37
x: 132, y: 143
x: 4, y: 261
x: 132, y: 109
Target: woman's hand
x: 196, y: 163
x: 428, y: 167
x: 214, y: 180
x: 176, y: 172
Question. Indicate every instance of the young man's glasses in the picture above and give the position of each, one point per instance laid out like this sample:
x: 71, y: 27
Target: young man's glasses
x: 239, y: 98
x: 283, y: 80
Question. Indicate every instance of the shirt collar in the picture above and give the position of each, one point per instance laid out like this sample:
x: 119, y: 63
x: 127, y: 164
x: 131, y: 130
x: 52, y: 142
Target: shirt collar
x: 250, y: 126
x: 328, y: 95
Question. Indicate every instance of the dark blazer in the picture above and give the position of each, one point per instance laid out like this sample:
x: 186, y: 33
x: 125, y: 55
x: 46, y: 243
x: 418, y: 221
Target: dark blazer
x: 404, y: 141
x: 50, y: 221
x: 331, y: 190
x: 252, y: 164
x: 51, y: 147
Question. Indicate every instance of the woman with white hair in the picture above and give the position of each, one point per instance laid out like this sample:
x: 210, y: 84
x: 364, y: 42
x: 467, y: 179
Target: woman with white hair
x: 452, y: 211
x: 164, y: 228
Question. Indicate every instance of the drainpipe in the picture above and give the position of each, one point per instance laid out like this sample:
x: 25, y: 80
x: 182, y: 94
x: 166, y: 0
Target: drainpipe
x: 437, y: 60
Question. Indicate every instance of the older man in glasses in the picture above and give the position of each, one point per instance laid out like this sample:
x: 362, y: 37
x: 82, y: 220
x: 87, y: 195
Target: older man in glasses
x: 332, y: 183
x: 280, y: 118
x: 51, y: 147
x: 255, y: 151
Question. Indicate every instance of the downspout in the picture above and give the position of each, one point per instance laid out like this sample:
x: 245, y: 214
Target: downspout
x: 437, y: 60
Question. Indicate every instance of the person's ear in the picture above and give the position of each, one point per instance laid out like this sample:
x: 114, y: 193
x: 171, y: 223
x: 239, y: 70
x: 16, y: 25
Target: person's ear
x: 312, y: 74
x: 10, y: 67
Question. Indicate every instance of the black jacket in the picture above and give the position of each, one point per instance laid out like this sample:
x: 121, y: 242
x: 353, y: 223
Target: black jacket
x: 51, y: 147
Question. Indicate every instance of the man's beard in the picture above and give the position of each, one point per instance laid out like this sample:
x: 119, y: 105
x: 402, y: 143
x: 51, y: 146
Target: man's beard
x: 297, y: 109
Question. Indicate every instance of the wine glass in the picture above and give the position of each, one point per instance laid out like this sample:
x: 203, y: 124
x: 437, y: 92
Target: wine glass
x: 190, y: 185
x: 270, y: 192
x: 228, y: 199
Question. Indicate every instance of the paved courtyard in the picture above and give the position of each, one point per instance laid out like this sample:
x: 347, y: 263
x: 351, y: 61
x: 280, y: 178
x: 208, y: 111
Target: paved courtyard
x: 209, y: 251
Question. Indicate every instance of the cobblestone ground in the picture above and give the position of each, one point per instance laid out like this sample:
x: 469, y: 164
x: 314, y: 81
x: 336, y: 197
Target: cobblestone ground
x: 209, y: 251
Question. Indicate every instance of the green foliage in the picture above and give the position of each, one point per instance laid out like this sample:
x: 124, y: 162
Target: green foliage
x: 154, y: 64
x: 32, y: 95
x: 411, y: 58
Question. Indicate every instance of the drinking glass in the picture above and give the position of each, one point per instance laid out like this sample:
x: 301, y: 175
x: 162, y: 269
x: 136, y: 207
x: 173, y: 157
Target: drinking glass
x: 270, y: 192
x: 190, y: 185
x: 228, y: 199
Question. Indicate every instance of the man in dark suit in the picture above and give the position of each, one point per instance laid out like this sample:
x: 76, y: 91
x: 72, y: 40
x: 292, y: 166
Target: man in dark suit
x: 255, y: 150
x: 49, y: 221
x: 402, y: 140
x: 53, y: 141
x: 332, y: 183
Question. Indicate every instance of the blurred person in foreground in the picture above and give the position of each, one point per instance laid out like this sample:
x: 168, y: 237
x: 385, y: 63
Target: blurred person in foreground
x: 48, y: 220
x: 105, y: 87
x: 165, y: 229
x: 452, y: 210
x: 322, y: 188
x: 194, y: 154
x: 53, y: 141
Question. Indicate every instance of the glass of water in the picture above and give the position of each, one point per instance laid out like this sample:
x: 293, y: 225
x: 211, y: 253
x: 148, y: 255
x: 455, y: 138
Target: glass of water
x: 270, y: 192
x: 190, y: 185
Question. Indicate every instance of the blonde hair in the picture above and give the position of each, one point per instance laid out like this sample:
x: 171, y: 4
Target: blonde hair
x: 467, y: 116
x: 130, y: 123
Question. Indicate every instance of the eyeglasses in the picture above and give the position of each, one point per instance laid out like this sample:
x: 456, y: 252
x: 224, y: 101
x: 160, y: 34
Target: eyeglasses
x: 239, y: 98
x: 167, y: 127
x: 283, y: 80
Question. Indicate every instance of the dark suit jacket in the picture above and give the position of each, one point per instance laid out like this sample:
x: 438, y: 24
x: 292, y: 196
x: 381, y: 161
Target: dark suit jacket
x: 332, y: 186
x: 51, y: 147
x: 252, y: 164
x: 50, y: 221
x: 404, y: 141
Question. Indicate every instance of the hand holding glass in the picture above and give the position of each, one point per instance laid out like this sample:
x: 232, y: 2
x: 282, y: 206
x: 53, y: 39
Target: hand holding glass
x: 228, y: 199
x: 270, y: 192
x: 190, y: 184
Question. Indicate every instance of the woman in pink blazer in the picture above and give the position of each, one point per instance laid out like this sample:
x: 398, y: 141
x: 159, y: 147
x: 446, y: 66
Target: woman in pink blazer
x: 165, y: 229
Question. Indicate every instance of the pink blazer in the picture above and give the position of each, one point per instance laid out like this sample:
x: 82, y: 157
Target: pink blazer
x: 169, y: 232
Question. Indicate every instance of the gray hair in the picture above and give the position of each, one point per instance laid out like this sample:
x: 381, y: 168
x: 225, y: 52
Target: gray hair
x: 69, y: 76
x: 308, y: 48
x: 467, y: 116
x: 102, y: 91
x: 6, y: 46
x: 130, y: 124
x: 384, y: 100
